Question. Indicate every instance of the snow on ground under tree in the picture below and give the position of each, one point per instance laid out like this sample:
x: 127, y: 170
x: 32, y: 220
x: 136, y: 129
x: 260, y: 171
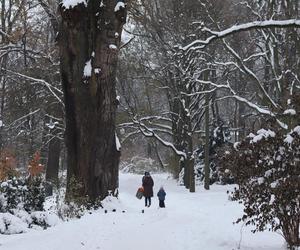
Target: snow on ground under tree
x: 202, y: 220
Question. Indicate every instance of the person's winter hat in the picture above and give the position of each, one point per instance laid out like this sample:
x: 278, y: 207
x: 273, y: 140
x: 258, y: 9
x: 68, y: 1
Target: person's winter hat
x: 147, y: 173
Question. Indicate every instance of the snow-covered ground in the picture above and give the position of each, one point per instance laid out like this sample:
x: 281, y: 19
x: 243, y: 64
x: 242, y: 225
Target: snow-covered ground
x: 190, y: 221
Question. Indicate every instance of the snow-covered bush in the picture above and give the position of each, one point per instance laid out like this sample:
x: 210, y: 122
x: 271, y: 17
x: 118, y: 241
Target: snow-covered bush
x: 266, y: 167
x: 19, y: 221
x: 22, y: 200
x: 22, y: 205
x: 71, y: 210
x: 10, y: 224
x: 12, y: 194
x: 43, y: 219
x: 27, y: 194
x: 34, y: 196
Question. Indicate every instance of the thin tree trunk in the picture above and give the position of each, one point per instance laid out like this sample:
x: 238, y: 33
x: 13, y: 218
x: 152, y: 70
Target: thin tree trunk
x: 190, y: 160
x: 52, y: 165
x: 3, y: 64
x: 206, y: 161
x: 162, y: 165
x: 53, y: 161
x: 90, y: 35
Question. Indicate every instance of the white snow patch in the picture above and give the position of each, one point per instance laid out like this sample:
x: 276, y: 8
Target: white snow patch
x: 251, y: 135
x: 260, y: 180
x: 51, y: 124
x: 71, y: 3
x: 297, y: 130
x: 272, y: 199
x: 289, y: 139
x: 236, y: 145
x: 97, y: 70
x: 290, y: 112
x: 10, y: 224
x: 118, y: 144
x: 215, y: 132
x: 262, y: 133
x: 3, y: 184
x: 87, y: 71
x: 268, y: 173
x: 119, y: 6
x: 50, y: 219
x: 274, y: 184
x: 113, y: 47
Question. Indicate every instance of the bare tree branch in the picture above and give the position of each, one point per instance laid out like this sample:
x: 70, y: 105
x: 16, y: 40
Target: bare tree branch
x: 199, y: 44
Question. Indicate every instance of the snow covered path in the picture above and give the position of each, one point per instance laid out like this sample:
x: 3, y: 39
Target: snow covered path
x: 202, y: 220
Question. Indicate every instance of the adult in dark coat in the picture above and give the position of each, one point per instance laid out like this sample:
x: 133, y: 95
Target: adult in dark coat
x: 148, y: 184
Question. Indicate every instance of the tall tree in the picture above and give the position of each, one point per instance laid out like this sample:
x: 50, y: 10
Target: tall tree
x: 89, y: 39
x: 56, y: 109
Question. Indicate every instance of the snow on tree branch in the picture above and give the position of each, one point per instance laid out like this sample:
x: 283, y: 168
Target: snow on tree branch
x: 50, y: 87
x: 249, y: 72
x: 214, y: 35
x: 150, y: 133
x: 235, y: 96
x: 23, y: 117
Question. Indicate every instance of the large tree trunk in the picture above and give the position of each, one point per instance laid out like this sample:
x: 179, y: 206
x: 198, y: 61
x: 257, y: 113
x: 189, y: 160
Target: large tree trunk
x: 90, y: 35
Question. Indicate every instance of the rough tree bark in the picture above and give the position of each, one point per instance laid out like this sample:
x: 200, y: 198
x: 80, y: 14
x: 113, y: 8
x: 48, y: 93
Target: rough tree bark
x: 53, y: 161
x: 90, y: 35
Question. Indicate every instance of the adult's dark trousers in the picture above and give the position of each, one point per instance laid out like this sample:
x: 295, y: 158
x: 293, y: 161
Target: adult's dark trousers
x: 147, y: 201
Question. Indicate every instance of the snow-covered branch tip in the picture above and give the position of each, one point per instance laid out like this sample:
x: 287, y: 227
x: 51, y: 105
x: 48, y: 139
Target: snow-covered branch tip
x: 214, y: 35
x: 150, y: 133
x: 23, y: 117
x: 50, y: 87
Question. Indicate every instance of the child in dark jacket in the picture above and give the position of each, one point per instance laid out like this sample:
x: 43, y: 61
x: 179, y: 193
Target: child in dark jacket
x: 161, y: 197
